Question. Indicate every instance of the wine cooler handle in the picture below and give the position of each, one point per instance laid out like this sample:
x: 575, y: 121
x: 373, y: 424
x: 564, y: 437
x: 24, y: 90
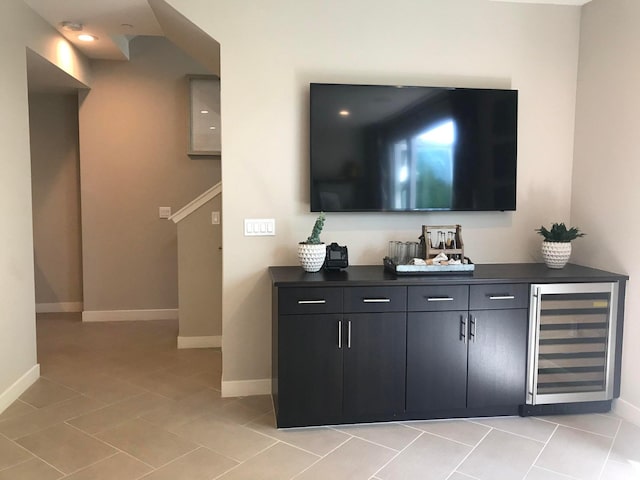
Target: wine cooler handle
x: 534, y: 336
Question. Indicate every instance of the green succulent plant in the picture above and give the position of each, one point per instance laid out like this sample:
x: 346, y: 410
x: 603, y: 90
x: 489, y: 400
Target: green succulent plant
x: 560, y: 233
x: 314, y: 238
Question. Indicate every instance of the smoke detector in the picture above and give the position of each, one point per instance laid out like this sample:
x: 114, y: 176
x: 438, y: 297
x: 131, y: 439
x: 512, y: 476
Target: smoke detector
x: 71, y: 26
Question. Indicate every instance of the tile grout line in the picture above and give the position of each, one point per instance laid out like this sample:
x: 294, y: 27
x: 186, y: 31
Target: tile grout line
x: 540, y: 452
x: 351, y: 437
x: 451, y: 439
x: 112, y: 446
x: 575, y: 428
x: 242, y: 462
x: 375, y: 443
x: 91, y: 464
x: 606, y: 460
x: 464, y: 475
x: 397, y: 455
x: 558, y: 474
x: 34, y: 456
x: 455, y: 469
x: 198, y: 447
x: 30, y: 453
x: 284, y: 442
x: 515, y: 434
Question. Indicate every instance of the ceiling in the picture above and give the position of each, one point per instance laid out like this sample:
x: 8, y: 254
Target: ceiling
x: 577, y: 3
x: 114, y: 22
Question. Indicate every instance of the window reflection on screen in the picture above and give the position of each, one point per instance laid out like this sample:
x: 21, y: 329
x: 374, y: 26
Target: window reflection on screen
x: 423, y: 168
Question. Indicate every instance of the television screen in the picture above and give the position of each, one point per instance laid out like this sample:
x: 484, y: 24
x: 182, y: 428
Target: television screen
x: 392, y: 148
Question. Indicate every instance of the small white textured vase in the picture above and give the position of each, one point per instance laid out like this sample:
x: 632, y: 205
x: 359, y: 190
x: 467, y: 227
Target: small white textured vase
x: 312, y: 256
x: 556, y: 254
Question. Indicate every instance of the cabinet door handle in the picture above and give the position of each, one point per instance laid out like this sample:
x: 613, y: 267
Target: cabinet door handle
x: 311, y: 302
x: 502, y: 297
x: 349, y: 334
x: 463, y: 328
x: 339, y: 333
x: 439, y: 299
x: 472, y: 329
x: 376, y: 300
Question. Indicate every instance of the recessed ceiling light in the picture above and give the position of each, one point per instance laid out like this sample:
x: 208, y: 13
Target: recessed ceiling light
x: 212, y: 128
x: 204, y: 111
x: 86, y: 37
x: 344, y: 113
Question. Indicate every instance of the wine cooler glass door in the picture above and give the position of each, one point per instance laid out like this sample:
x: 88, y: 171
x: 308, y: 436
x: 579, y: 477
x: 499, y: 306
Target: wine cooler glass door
x: 571, y: 342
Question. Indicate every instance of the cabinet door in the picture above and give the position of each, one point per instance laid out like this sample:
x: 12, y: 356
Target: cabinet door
x: 374, y: 365
x: 497, y: 358
x: 436, y: 360
x: 310, y: 370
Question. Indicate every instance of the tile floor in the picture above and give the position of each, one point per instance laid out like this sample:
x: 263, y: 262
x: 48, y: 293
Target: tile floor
x: 118, y: 401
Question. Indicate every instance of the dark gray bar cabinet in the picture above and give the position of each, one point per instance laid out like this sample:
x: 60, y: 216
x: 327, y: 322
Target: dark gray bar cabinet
x: 366, y: 345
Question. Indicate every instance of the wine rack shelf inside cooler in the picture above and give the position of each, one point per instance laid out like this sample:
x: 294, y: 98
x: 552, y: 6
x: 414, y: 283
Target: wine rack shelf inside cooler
x: 573, y: 341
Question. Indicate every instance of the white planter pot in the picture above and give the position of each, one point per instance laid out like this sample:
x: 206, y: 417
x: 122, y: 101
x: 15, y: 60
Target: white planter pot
x: 556, y: 254
x: 312, y: 256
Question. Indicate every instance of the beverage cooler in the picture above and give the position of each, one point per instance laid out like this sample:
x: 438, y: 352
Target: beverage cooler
x: 572, y: 338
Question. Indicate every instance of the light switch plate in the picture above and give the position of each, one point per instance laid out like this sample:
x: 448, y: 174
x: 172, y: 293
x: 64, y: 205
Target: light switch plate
x: 215, y: 218
x: 258, y: 227
x: 164, y: 212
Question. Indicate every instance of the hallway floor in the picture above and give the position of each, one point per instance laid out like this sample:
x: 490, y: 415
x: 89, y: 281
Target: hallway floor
x: 119, y: 401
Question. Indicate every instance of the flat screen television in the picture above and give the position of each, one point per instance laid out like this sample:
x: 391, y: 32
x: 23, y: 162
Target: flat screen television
x: 404, y: 149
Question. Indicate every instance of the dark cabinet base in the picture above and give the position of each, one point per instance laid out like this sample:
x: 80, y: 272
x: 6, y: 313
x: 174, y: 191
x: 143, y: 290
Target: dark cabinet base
x: 363, y: 345
x: 565, y: 408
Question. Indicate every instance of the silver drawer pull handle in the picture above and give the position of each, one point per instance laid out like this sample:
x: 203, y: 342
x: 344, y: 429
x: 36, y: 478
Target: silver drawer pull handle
x: 307, y: 302
x: 502, y: 297
x: 376, y: 300
x: 439, y: 299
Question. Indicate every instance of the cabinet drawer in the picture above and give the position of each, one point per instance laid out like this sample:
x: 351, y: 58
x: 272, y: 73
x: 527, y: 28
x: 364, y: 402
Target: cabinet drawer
x: 499, y: 296
x: 438, y: 298
x: 375, y: 299
x: 309, y: 300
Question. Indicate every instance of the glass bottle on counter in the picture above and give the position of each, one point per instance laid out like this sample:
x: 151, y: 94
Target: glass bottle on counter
x: 455, y: 256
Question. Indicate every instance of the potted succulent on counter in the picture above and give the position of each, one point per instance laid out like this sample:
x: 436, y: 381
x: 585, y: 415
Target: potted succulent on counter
x: 313, y: 251
x: 556, y: 247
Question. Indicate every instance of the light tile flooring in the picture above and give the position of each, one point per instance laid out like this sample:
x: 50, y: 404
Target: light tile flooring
x: 118, y: 401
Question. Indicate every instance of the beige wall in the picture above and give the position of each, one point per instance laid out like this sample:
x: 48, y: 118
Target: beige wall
x: 269, y: 54
x: 19, y: 28
x: 55, y: 180
x: 605, y: 180
x: 133, y: 144
x: 200, y: 273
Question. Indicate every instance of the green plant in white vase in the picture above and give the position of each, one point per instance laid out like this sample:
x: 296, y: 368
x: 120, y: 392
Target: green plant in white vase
x: 313, y: 251
x: 556, y: 247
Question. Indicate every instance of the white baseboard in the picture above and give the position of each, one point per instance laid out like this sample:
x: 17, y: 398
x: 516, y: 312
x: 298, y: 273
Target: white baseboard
x: 626, y: 410
x: 129, y: 315
x: 60, y: 307
x: 214, y: 341
x: 12, y: 393
x: 246, y: 388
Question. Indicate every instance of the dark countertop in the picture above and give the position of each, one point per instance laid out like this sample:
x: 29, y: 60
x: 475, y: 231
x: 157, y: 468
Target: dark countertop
x: 487, y: 273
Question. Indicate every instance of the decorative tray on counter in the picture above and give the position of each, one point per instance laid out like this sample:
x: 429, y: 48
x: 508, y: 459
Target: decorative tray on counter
x: 464, y: 268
